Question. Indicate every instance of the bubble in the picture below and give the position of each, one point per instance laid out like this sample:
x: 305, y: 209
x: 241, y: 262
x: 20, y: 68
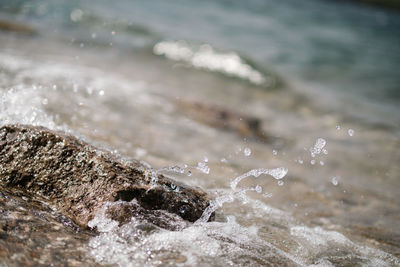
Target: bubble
x: 321, y: 163
x: 94, y: 36
x: 312, y: 162
x: 189, y: 173
x: 274, y: 152
x: 281, y: 183
x: 45, y: 101
x: 300, y: 161
x: 101, y: 92
x: 338, y: 127
x: 350, y: 132
x: 247, y: 151
x: 334, y: 181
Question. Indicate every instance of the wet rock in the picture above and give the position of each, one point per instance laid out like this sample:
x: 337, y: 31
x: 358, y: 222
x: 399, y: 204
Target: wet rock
x: 219, y: 117
x: 10, y: 26
x: 79, y: 178
x: 32, y: 233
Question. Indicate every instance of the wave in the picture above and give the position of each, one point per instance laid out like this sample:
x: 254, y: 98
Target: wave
x: 207, y: 58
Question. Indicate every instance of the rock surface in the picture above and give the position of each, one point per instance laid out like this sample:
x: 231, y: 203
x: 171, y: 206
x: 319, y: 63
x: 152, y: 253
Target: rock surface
x: 33, y: 233
x: 79, y: 178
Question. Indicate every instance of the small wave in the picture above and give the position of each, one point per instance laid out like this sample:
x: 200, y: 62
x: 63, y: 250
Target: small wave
x: 207, y: 58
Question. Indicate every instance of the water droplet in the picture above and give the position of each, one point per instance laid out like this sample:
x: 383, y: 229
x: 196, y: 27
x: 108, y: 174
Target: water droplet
x: 202, y: 166
x: 334, y: 181
x: 258, y: 189
x: 281, y: 183
x: 76, y: 15
x: 318, y: 146
x: 247, y: 151
x: 350, y: 132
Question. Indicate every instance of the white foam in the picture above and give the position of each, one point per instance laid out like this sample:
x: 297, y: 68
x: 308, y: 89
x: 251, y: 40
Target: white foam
x: 205, y: 57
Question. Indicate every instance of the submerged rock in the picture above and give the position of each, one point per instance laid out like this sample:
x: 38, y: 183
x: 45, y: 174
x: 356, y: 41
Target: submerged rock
x: 16, y: 27
x: 79, y: 178
x: 223, y: 118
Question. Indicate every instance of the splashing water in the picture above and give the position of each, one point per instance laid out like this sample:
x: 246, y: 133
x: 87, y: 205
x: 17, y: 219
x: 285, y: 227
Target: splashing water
x: 277, y: 173
x: 202, y: 166
x: 318, y: 147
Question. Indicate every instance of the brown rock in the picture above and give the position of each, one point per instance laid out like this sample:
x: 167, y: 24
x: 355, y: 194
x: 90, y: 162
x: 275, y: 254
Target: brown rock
x: 80, y: 178
x: 223, y: 118
x: 16, y: 27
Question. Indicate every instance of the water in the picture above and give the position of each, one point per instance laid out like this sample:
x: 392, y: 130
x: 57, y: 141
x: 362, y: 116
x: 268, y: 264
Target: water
x: 321, y: 77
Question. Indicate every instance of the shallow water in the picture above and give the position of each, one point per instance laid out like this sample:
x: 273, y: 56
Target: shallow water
x: 119, y: 86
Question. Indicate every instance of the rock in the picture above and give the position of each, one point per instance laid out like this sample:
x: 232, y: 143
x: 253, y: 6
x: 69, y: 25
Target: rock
x: 16, y: 27
x: 223, y: 118
x: 32, y: 233
x: 79, y: 178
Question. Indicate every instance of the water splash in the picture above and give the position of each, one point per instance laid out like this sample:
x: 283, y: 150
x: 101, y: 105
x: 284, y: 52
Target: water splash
x: 277, y: 173
x: 219, y: 201
x: 203, y: 167
x: 318, y: 147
